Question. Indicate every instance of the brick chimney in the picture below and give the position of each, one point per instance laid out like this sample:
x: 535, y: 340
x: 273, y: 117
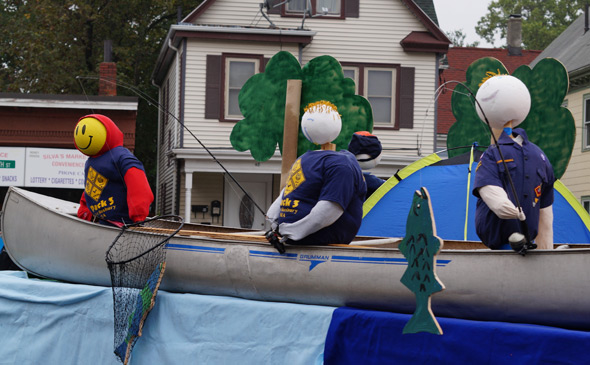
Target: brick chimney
x: 514, y: 35
x: 107, y: 84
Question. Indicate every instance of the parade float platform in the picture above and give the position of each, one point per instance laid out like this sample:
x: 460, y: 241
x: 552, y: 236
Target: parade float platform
x: 51, y: 322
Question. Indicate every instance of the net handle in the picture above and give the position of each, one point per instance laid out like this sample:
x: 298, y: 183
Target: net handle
x: 125, y: 227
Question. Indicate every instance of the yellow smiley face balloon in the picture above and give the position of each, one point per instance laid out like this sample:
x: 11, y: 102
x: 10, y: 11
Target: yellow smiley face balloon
x: 90, y: 136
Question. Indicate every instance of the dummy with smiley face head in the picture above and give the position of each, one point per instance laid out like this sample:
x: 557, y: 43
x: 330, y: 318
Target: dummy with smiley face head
x: 116, y: 187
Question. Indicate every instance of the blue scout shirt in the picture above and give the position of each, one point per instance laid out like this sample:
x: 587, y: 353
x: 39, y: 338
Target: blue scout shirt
x: 533, y: 179
x: 331, y: 176
x: 373, y: 183
x: 106, y: 192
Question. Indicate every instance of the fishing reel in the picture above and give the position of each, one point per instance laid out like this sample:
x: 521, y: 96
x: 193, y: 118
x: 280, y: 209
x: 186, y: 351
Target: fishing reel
x: 522, y: 245
x: 275, y: 240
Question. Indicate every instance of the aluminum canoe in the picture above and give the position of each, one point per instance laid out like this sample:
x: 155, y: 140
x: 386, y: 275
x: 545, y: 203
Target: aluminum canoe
x: 43, y: 236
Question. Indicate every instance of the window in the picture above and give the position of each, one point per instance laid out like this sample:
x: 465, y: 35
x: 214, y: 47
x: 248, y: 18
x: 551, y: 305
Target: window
x: 390, y: 90
x: 330, y: 8
x: 586, y: 126
x: 586, y: 203
x: 226, y: 75
x: 379, y: 90
x: 352, y: 73
x: 237, y: 72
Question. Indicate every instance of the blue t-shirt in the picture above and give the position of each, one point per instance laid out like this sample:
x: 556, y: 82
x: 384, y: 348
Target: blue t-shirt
x: 533, y: 179
x: 373, y: 183
x: 105, y: 190
x: 331, y: 176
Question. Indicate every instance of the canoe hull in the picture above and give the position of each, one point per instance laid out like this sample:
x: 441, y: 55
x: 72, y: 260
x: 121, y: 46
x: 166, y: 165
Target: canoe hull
x: 43, y: 236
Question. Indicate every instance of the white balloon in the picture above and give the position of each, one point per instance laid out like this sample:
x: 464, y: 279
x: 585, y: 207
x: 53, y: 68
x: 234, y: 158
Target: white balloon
x: 503, y: 98
x: 321, y: 123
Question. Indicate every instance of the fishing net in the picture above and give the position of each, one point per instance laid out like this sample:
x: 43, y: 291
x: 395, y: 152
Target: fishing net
x: 137, y: 261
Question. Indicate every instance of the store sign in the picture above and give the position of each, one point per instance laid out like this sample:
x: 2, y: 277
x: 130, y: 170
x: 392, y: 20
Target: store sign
x: 54, y: 168
x: 42, y: 167
x: 12, y: 166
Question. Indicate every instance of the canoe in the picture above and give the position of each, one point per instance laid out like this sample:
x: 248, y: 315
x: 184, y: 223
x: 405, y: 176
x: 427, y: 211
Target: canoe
x: 43, y: 236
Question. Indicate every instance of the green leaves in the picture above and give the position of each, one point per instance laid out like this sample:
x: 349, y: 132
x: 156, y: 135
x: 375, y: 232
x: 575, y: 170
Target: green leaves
x: 262, y: 102
x: 543, y: 20
x: 549, y: 125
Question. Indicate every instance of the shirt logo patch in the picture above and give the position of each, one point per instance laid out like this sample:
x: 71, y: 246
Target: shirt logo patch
x: 295, y: 179
x: 95, y: 184
x: 538, y: 191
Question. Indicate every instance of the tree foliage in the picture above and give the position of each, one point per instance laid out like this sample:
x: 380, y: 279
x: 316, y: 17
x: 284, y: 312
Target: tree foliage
x: 457, y: 37
x: 46, y: 44
x: 542, y: 20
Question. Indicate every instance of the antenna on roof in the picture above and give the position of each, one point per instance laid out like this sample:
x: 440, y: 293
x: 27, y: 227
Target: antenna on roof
x: 265, y: 6
x: 307, y: 12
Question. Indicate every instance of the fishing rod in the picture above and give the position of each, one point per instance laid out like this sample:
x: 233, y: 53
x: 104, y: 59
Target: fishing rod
x: 159, y: 107
x: 527, y: 244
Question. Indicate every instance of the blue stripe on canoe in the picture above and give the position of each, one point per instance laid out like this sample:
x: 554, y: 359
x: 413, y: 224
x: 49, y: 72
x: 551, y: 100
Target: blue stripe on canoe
x: 380, y: 260
x: 174, y: 246
x: 370, y: 260
x: 274, y: 255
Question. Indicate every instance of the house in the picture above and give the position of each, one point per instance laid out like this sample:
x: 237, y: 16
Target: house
x: 458, y: 59
x: 391, y: 48
x: 572, y: 48
x: 37, y: 136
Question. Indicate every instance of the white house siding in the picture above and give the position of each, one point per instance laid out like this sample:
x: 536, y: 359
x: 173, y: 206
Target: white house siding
x: 167, y: 170
x: 212, y: 132
x: 576, y: 175
x: 374, y: 37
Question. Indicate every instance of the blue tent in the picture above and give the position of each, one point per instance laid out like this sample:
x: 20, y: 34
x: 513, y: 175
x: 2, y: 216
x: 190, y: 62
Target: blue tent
x: 449, y: 183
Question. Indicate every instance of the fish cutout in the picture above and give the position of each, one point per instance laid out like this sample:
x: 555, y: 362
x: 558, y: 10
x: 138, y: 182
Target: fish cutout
x: 420, y: 247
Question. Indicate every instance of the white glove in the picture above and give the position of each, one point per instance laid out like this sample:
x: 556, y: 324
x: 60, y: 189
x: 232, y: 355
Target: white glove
x: 323, y: 214
x: 497, y: 200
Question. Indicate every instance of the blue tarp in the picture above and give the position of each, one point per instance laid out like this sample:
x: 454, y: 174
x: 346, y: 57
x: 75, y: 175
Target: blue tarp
x: 372, y: 337
x: 47, y: 322
x: 44, y: 322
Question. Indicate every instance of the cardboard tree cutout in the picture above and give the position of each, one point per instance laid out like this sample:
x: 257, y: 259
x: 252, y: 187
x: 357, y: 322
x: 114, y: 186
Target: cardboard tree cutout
x: 549, y: 125
x: 262, y: 102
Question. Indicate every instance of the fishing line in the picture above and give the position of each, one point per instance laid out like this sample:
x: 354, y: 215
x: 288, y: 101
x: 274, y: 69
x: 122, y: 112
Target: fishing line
x: 159, y: 107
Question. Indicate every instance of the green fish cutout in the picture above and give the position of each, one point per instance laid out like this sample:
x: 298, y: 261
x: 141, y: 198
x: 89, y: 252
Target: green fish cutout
x: 420, y: 246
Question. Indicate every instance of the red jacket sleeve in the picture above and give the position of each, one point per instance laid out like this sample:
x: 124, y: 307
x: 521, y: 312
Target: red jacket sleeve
x: 139, y: 194
x: 83, y: 211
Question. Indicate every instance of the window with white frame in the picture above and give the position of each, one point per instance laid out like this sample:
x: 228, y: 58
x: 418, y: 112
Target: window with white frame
x: 379, y: 89
x: 315, y: 7
x: 352, y: 73
x: 237, y: 72
x: 586, y: 203
x: 586, y: 126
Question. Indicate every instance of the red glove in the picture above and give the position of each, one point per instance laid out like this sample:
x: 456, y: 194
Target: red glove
x: 83, y: 211
x: 139, y: 194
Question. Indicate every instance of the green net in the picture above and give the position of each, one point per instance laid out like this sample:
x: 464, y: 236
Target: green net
x: 137, y: 261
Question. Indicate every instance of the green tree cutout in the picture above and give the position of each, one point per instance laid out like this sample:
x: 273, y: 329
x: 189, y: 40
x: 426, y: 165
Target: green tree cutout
x: 549, y: 125
x: 420, y: 246
x: 262, y: 102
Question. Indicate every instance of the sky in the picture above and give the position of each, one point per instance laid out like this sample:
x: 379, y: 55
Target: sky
x: 463, y: 14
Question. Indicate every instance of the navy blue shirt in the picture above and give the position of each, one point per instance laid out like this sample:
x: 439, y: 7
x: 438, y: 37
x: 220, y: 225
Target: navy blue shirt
x: 105, y: 190
x: 533, y: 179
x: 331, y: 176
x: 373, y: 183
